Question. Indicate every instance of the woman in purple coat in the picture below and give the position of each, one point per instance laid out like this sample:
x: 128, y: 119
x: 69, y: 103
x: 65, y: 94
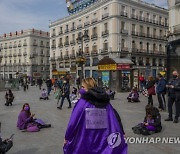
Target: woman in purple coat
x: 94, y: 126
x: 25, y: 117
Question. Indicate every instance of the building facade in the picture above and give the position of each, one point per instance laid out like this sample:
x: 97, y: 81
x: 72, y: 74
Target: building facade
x: 116, y: 28
x: 24, y: 53
x: 173, y: 50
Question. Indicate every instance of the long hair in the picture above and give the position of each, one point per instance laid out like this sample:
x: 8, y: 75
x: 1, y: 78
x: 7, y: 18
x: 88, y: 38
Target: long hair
x: 29, y: 111
x: 89, y: 82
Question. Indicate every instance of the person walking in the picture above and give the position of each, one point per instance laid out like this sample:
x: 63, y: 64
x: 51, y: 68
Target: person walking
x: 49, y: 85
x: 9, y: 97
x: 39, y: 82
x: 174, y: 96
x: 142, y: 82
x: 161, y: 90
x: 78, y: 82
x: 151, y: 89
x: 65, y: 94
x: 94, y: 126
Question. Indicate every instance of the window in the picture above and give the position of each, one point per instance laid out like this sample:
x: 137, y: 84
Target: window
x: 160, y: 33
x: 148, y: 31
x: 94, y: 30
x: 122, y: 43
x: 133, y: 27
x: 141, y: 14
x: 141, y: 46
x: 122, y: 25
x: 154, y: 47
x: 105, y: 46
x: 133, y: 11
x: 67, y: 39
x: 147, y: 15
x: 147, y: 45
x: 60, y: 41
x: 123, y: 8
x: 133, y: 44
x: 106, y: 26
x: 41, y: 43
x: 160, y: 48
x: 154, y: 32
x: 73, y: 37
x: 141, y: 29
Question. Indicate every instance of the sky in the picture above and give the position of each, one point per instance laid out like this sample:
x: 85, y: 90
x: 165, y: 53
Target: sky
x: 16, y: 15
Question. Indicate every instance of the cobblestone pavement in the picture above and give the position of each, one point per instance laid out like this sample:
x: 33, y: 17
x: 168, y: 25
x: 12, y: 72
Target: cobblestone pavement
x: 50, y: 141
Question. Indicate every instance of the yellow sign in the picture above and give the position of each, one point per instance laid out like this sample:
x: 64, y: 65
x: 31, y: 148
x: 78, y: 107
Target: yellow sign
x: 108, y: 67
x: 59, y: 73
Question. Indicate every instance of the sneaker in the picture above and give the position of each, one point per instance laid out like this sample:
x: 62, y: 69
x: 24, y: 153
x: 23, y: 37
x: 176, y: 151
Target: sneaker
x: 60, y: 108
x: 168, y: 119
x: 69, y: 107
x: 175, y: 121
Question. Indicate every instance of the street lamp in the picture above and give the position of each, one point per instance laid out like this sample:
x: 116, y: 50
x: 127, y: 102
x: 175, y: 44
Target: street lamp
x: 80, y: 57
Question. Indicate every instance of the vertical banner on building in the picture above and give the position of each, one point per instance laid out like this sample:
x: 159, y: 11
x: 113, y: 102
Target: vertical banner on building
x: 105, y: 78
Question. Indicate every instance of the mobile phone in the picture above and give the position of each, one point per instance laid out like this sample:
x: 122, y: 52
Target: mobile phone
x: 11, y: 137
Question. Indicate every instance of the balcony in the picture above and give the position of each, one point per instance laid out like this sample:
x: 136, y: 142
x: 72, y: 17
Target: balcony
x: 14, y: 54
x: 94, y: 53
x: 148, y: 20
x: 133, y: 16
x: 5, y: 47
x: 86, y: 23
x: 19, y: 45
x: 93, y: 20
x: 154, y: 36
x: 104, y: 52
x: 25, y: 44
x: 105, y: 33
x: 134, y: 50
x: 66, y: 31
x: 10, y: 55
x: 25, y: 53
x: 177, y: 29
x: 53, y: 35
x: 73, y: 56
x: 61, y: 32
x: 86, y: 54
x: 124, y: 14
x: 141, y: 18
x: 86, y: 39
x: 10, y: 46
x: 79, y: 26
x: 155, y: 22
x: 66, y: 57
x: 106, y: 15
x: 19, y: 54
x: 141, y: 34
x: 133, y: 33
x: 42, y: 46
x: 140, y: 62
x: 73, y: 42
x: 124, y: 50
x: 14, y: 46
x: 177, y: 2
x: 148, y: 35
x: 35, y: 44
x: 66, y: 43
x: 94, y: 36
x: 124, y: 31
x: 53, y: 46
x: 73, y: 28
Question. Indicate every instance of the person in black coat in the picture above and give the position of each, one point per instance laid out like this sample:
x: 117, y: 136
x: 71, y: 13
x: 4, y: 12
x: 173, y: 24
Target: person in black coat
x: 150, y: 85
x: 9, y: 97
x: 174, y: 96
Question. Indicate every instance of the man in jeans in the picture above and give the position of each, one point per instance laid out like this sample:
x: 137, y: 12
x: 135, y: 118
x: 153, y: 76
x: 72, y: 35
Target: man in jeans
x: 65, y: 94
x: 161, y: 90
x: 174, y: 96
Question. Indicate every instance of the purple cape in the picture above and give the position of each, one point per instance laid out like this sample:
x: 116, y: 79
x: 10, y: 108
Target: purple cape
x: 81, y: 140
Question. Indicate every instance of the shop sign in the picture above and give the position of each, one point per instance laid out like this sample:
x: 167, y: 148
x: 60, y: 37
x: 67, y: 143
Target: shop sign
x: 123, y: 66
x: 59, y: 73
x: 35, y: 74
x: 107, y: 67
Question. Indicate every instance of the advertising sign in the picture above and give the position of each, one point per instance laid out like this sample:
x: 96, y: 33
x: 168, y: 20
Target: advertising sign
x: 74, y: 6
x: 105, y: 78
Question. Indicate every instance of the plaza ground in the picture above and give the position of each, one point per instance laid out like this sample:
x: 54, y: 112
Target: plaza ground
x: 50, y: 141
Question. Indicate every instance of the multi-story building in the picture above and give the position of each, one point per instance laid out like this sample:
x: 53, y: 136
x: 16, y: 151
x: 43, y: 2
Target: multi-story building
x: 173, y: 50
x: 116, y: 28
x: 24, y: 53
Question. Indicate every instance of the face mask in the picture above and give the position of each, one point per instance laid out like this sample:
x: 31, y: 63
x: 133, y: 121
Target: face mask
x: 26, y: 108
x: 82, y: 91
x: 174, y: 76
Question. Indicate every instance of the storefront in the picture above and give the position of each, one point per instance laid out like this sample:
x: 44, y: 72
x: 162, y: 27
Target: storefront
x: 115, y: 73
x: 59, y: 73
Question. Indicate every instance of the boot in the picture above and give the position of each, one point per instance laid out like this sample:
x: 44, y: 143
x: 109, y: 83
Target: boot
x: 169, y: 119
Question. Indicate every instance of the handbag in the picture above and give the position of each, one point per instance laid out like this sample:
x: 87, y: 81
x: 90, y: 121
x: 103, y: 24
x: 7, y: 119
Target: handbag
x: 151, y: 91
x: 145, y: 92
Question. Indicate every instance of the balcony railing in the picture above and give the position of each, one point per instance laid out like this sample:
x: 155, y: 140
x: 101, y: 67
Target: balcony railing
x: 53, y: 46
x: 73, y: 42
x: 79, y: 26
x: 155, y: 22
x: 105, y: 33
x: 106, y: 15
x: 14, y: 46
x: 73, y: 28
x: 141, y: 34
x: 73, y: 56
x: 25, y: 53
x: 124, y: 31
x: 67, y: 30
x: 34, y: 44
x: 134, y: 33
x: 141, y: 18
x: 86, y: 23
x: 5, y: 47
x: 10, y: 46
x: 94, y: 52
x: 86, y: 39
x: 10, y: 55
x: 53, y: 35
x: 19, y: 45
x: 66, y: 57
x: 93, y: 20
x: 19, y: 54
x: 66, y: 43
x: 94, y: 36
x: 104, y: 51
x: 61, y: 32
x: 14, y: 54
x: 25, y: 44
x: 133, y: 16
x: 124, y: 14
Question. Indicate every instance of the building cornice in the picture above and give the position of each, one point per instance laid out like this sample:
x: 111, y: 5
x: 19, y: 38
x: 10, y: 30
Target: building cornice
x: 102, y: 2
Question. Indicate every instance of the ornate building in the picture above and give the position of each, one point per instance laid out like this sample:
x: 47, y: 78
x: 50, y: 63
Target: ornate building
x: 130, y: 29
x: 24, y: 53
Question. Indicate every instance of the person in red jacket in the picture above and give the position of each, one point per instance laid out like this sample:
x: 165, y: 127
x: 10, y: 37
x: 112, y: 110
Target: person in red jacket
x: 142, y: 81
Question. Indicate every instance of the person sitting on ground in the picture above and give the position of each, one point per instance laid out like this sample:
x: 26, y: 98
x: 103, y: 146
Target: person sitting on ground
x: 133, y: 96
x: 95, y: 126
x: 27, y: 122
x: 151, y: 124
x: 9, y: 97
x: 5, y: 145
x: 44, y: 95
x: 110, y: 93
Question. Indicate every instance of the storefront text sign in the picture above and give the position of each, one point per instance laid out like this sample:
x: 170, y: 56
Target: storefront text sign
x: 123, y: 66
x: 96, y: 118
x: 107, y: 67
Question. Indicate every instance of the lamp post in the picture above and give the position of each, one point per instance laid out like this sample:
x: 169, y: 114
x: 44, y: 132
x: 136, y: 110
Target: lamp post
x: 80, y: 57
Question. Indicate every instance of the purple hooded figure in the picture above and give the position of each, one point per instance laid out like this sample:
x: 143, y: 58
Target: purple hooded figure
x: 95, y: 126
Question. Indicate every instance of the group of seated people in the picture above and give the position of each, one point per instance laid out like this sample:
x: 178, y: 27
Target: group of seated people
x: 133, y: 96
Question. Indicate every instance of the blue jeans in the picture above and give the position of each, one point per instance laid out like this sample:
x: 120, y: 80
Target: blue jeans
x: 48, y: 90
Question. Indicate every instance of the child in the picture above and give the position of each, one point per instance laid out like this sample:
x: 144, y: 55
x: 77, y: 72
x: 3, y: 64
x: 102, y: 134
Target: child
x: 44, y: 95
x: 133, y: 96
